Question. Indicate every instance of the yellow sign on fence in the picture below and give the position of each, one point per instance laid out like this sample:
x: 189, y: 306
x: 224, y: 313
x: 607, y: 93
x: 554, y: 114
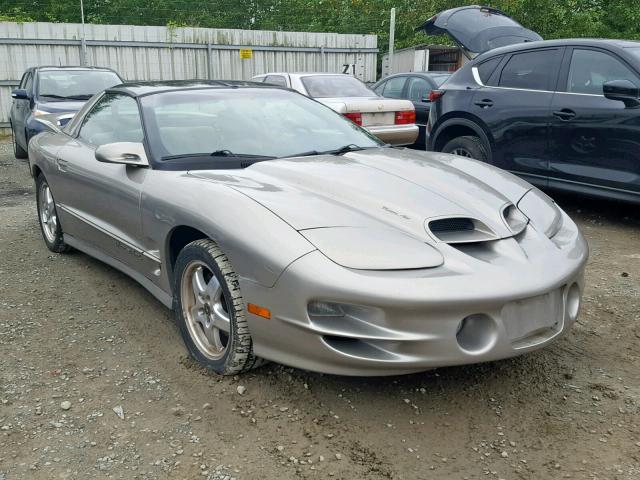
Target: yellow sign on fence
x: 246, y: 53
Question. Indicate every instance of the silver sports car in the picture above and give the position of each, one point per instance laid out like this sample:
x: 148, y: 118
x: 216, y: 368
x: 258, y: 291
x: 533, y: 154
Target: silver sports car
x: 277, y: 229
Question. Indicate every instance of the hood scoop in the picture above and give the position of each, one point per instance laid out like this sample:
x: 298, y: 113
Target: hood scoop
x: 459, y: 230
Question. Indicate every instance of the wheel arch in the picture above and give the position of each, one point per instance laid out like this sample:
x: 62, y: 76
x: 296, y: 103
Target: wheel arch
x: 178, y: 238
x: 36, y: 171
x: 458, y: 124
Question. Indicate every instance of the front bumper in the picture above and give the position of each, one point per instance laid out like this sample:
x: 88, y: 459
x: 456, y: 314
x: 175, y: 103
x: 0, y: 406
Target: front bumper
x: 396, y: 134
x: 406, y: 321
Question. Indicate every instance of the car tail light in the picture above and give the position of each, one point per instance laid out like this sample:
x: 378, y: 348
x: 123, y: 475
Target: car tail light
x: 435, y: 95
x: 403, y: 118
x: 354, y: 117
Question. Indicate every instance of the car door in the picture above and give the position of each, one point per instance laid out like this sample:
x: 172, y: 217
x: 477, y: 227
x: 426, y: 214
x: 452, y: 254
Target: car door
x: 515, y: 106
x: 100, y: 202
x: 417, y: 90
x: 21, y: 108
x: 595, y: 141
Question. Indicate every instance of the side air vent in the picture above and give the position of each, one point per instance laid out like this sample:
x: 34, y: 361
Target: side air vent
x: 460, y: 230
x: 514, y: 218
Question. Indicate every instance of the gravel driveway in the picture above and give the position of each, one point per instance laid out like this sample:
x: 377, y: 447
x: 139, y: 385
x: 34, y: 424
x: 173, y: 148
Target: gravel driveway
x: 95, y: 383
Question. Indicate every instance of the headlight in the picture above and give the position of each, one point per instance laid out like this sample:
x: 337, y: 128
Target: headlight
x: 544, y: 214
x: 39, y: 113
x: 373, y: 248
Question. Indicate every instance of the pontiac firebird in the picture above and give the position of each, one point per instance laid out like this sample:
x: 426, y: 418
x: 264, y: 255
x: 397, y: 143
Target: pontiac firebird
x: 277, y: 229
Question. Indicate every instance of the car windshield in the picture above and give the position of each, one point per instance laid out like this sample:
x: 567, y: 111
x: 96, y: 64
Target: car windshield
x: 244, y: 122
x: 74, y: 84
x: 333, y: 86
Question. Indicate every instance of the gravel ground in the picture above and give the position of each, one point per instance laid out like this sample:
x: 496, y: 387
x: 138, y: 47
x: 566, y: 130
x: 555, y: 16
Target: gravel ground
x: 95, y: 383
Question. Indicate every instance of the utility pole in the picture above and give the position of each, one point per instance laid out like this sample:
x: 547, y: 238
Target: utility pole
x: 392, y: 38
x: 83, y: 43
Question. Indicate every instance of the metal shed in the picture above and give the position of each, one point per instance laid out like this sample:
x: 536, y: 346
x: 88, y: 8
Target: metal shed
x: 423, y: 58
x: 167, y: 53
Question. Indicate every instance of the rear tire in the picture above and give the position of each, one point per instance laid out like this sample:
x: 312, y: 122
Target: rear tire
x: 209, y: 310
x: 18, y: 151
x: 467, y: 146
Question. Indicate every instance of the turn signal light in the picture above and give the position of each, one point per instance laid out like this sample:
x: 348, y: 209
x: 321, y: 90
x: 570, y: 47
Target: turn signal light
x: 403, y: 118
x: 435, y: 95
x: 355, y: 117
x: 259, y: 311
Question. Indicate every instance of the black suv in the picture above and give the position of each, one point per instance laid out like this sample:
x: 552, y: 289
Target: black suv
x: 563, y: 114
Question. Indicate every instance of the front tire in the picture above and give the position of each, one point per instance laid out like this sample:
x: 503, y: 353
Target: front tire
x: 209, y: 309
x: 48, y: 217
x: 18, y: 151
x: 467, y: 146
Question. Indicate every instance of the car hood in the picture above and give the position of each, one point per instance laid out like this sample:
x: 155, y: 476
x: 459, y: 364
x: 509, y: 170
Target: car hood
x: 378, y: 188
x: 478, y: 29
x: 62, y: 106
x: 366, y: 104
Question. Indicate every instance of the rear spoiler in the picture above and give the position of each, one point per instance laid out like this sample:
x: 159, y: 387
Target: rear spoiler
x: 55, y: 122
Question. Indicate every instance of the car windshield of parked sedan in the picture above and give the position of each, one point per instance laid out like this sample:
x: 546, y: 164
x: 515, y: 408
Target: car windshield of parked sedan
x: 244, y: 122
x: 74, y: 84
x: 334, y: 86
x: 440, y: 79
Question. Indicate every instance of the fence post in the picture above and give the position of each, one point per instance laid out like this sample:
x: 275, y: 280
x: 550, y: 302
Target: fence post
x: 209, y: 63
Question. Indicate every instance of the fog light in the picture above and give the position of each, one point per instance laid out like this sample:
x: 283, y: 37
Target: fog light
x: 476, y: 333
x: 573, y: 302
x: 324, y: 309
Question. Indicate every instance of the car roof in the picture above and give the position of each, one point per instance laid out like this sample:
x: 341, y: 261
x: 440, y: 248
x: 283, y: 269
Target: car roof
x: 422, y: 74
x: 70, y: 67
x: 139, y: 89
x: 303, y: 74
x: 564, y: 42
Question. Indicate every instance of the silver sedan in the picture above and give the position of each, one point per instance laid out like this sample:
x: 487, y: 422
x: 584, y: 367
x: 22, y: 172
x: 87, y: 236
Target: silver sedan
x: 392, y: 120
x: 301, y: 238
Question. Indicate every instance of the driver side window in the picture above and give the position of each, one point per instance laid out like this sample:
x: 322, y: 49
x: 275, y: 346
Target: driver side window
x: 114, y: 118
x: 591, y: 69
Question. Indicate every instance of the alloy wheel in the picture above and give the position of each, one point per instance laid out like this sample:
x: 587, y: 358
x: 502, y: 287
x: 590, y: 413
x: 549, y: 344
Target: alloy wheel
x: 462, y: 152
x: 205, y: 310
x: 48, y: 215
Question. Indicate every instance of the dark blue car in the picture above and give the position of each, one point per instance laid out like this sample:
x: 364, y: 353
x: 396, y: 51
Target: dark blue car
x: 45, y: 90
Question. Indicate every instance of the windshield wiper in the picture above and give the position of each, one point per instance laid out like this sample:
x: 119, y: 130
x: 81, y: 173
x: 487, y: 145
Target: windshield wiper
x: 345, y: 149
x: 336, y: 151
x: 229, y: 153
x: 67, y: 97
x: 308, y: 153
x: 84, y: 96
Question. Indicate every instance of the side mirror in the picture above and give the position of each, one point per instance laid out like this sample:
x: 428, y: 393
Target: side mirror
x: 20, y: 94
x: 124, y: 153
x: 622, y: 90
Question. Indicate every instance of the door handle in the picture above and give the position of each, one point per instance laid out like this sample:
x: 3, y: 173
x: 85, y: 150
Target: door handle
x: 565, y: 114
x: 484, y: 103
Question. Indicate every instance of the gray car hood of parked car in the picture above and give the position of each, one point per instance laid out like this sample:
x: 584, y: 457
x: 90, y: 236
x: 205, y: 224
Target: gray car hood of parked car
x: 478, y: 29
x: 380, y: 189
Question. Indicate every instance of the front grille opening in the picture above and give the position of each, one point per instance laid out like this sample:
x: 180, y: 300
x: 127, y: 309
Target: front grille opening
x: 459, y: 224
